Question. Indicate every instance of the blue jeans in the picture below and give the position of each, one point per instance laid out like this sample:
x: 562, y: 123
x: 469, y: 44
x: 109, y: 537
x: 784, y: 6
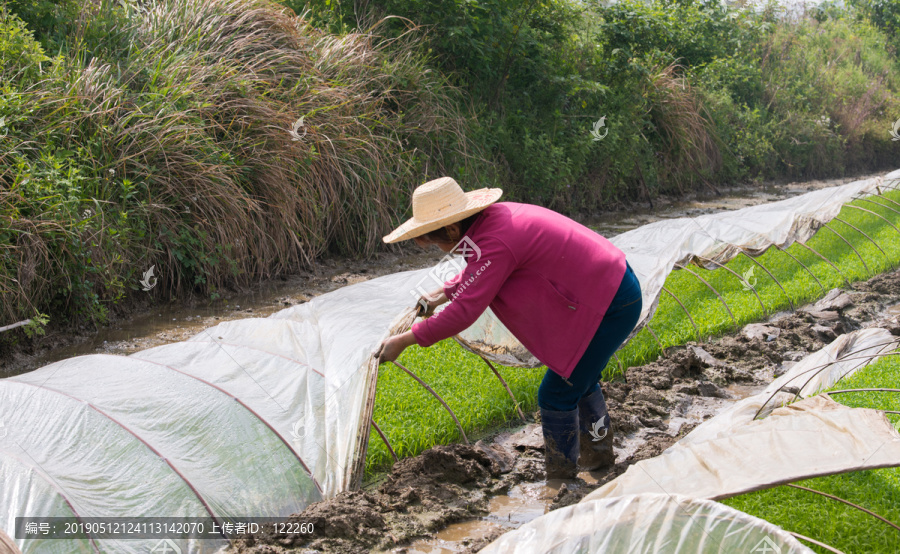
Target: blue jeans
x: 622, y: 315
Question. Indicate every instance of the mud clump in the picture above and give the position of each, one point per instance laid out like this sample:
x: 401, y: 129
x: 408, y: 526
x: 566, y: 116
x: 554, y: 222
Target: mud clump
x: 421, y: 495
x: 454, y: 464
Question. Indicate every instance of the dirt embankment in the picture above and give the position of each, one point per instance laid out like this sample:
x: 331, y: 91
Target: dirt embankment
x: 144, y: 322
x: 651, y: 408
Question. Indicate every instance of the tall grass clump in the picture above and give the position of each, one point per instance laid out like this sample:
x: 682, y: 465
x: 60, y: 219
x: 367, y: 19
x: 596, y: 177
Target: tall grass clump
x: 161, y: 135
x: 831, y: 90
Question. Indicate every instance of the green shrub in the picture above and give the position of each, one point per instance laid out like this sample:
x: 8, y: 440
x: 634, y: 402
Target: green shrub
x: 884, y: 14
x: 693, y: 94
x: 50, y: 20
x: 21, y: 56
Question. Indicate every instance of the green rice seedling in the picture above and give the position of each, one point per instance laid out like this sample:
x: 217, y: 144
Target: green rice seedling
x: 831, y: 522
x: 414, y: 420
x: 673, y: 327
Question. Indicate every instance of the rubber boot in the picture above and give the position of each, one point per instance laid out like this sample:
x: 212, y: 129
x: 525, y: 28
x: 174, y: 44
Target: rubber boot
x: 595, y: 433
x: 560, y: 443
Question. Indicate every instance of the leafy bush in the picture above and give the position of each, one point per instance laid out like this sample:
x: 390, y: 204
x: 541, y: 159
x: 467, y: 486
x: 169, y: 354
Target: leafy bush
x: 171, y: 121
x: 815, y: 98
x: 884, y: 14
x: 693, y: 93
x: 21, y: 56
x: 50, y: 20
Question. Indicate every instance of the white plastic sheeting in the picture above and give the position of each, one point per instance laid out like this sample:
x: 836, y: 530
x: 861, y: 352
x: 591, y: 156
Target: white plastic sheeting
x: 114, y: 436
x: 647, y: 524
x: 734, y: 453
x: 811, y: 438
x: 237, y: 421
x: 260, y: 417
x: 816, y: 372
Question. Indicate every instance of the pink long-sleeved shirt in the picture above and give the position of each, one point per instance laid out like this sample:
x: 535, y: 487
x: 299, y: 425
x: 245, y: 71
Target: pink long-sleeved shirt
x: 547, y: 278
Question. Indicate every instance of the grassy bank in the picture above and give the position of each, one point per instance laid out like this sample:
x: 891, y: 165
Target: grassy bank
x: 829, y: 521
x: 413, y: 420
x: 168, y: 133
x: 221, y: 142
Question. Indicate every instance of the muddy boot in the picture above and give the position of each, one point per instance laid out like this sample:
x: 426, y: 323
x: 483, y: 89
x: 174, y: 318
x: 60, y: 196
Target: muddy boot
x: 595, y: 433
x: 560, y: 443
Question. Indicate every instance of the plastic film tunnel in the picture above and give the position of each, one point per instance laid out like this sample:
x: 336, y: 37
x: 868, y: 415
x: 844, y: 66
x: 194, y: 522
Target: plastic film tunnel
x: 260, y: 417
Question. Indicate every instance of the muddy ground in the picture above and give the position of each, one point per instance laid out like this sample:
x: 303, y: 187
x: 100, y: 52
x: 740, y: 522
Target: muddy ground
x: 651, y: 408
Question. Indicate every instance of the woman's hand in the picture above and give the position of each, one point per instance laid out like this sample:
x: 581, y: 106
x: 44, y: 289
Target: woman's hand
x: 433, y: 300
x: 391, y: 348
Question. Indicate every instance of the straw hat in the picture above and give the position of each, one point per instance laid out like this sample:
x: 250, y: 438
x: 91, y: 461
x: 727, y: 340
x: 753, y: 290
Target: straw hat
x: 441, y: 202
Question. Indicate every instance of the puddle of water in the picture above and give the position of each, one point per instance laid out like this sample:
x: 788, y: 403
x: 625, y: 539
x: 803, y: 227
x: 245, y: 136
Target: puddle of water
x: 525, y: 502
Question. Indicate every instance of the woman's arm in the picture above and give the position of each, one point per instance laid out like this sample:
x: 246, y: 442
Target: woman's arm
x: 470, y: 296
x: 391, y: 348
x: 433, y: 300
x: 477, y: 287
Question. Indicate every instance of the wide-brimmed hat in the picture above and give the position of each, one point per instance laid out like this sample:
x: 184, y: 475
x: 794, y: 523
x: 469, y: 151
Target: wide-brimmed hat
x: 441, y: 202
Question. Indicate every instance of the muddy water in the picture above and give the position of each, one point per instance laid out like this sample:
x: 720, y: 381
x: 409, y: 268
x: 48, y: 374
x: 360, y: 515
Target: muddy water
x: 524, y: 503
x: 173, y: 322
